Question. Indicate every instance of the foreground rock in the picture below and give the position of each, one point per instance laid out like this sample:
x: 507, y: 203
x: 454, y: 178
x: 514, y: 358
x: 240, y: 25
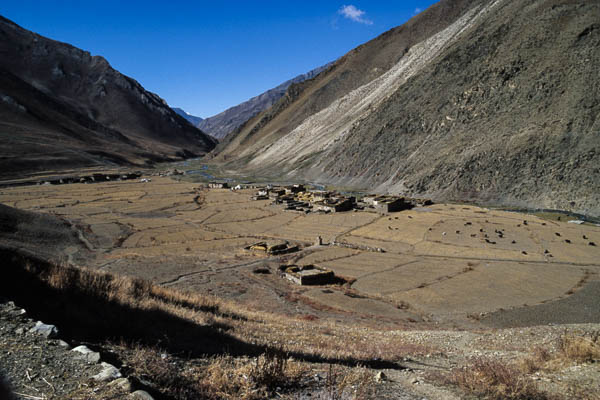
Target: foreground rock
x: 140, y: 395
x: 109, y: 373
x: 86, y: 354
x: 39, y: 366
x: 45, y: 330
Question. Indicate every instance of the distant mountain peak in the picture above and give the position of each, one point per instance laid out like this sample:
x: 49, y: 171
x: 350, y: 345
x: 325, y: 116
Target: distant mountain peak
x: 192, y: 118
x: 231, y: 119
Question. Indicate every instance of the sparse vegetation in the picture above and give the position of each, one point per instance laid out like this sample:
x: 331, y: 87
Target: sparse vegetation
x: 356, y: 383
x: 534, y: 362
x: 479, y: 101
x: 570, y: 349
x: 495, y: 380
x: 253, y: 354
x: 258, y: 378
x: 221, y: 377
x: 579, y: 349
x: 273, y: 325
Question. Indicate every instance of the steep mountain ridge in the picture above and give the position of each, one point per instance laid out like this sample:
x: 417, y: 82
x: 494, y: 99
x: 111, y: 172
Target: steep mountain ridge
x: 322, y: 130
x: 358, y: 67
x: 517, y: 123
x: 41, y: 133
x: 88, y: 92
x: 505, y: 111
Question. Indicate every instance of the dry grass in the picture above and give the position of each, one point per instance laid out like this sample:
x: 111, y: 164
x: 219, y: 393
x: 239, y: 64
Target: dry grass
x: 98, y: 307
x: 586, y: 393
x: 570, y: 349
x: 495, y: 380
x: 222, y: 377
x: 344, y: 383
x: 579, y: 349
x: 269, y: 375
x: 125, y: 290
x: 539, y: 356
x: 258, y: 378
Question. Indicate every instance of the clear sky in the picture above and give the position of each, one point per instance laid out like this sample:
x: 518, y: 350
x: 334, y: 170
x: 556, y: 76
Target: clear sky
x: 206, y: 56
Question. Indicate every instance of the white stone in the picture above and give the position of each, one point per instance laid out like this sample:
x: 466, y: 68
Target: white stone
x: 46, y: 330
x: 122, y: 383
x: 380, y: 377
x: 140, y: 395
x: 86, y: 354
x: 109, y: 373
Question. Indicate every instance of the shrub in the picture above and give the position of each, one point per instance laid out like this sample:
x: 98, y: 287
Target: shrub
x: 493, y: 379
x: 349, y: 383
x: 249, y: 379
x: 579, y: 349
x: 536, y: 361
x: 222, y: 377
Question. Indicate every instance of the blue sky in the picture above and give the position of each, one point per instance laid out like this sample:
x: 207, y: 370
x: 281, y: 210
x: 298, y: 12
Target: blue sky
x: 206, y: 56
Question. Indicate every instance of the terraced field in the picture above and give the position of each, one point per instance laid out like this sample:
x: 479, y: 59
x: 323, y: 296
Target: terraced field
x: 444, y: 263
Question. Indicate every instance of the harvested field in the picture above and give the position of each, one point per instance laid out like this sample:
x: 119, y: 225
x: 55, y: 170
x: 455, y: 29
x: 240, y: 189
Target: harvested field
x: 440, y: 263
x: 349, y: 302
x: 493, y: 286
x: 367, y: 264
x: 328, y: 226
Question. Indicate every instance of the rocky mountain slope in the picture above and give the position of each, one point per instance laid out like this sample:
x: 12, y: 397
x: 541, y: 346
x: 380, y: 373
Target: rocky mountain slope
x: 61, y: 107
x: 229, y: 120
x: 493, y: 101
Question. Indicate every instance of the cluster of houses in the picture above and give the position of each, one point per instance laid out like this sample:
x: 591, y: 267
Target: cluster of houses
x: 387, y: 203
x: 298, y: 198
x: 94, y: 178
x: 218, y: 185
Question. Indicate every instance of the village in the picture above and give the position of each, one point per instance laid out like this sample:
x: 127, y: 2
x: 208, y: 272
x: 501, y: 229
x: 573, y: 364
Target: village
x: 299, y: 198
x: 253, y: 241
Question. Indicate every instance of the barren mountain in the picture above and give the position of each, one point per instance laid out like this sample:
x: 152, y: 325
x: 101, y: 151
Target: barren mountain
x: 229, y: 120
x: 61, y: 107
x: 494, y: 101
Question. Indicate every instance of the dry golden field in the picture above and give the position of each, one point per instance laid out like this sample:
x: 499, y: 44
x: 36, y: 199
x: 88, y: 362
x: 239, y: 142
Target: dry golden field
x: 445, y: 300
x: 444, y: 263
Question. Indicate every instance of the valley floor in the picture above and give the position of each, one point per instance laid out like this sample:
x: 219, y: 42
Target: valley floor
x: 432, y: 289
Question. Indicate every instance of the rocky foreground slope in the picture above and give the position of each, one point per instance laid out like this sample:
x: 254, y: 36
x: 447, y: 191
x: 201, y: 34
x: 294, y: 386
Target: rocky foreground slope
x: 493, y: 101
x: 61, y: 107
